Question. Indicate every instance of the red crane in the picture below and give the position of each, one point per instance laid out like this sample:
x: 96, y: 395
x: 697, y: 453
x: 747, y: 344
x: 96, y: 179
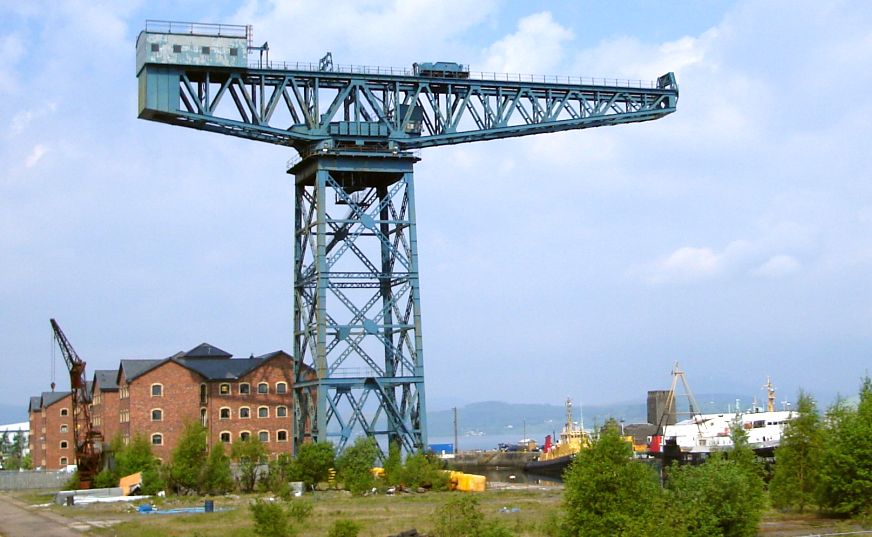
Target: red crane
x: 86, y: 439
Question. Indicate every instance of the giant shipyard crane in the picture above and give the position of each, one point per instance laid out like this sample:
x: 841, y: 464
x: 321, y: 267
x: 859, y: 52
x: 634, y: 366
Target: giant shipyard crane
x: 357, y: 317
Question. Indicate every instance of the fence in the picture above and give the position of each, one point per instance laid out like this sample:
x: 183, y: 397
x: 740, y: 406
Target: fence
x: 33, y: 480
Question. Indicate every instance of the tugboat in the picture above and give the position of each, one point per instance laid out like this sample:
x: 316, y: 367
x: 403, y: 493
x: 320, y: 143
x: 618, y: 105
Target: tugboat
x: 556, y: 458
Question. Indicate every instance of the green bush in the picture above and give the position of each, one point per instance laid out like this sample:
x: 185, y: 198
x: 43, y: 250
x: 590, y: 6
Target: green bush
x: 104, y: 479
x: 73, y: 482
x: 270, y: 519
x: 248, y: 454
x: 217, y: 478
x: 461, y: 516
x: 425, y: 471
x: 188, y: 461
x: 313, y: 462
x: 300, y: 510
x: 354, y: 465
x: 344, y: 528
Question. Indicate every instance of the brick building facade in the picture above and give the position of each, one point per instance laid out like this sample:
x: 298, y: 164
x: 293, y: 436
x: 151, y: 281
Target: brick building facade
x: 233, y: 398
x: 51, y: 430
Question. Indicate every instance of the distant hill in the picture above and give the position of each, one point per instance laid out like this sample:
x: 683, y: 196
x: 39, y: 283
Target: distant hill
x: 498, y: 418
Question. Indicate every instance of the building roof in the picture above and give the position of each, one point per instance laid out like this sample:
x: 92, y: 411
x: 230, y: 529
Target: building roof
x: 50, y: 398
x: 205, y: 350
x: 227, y: 369
x: 135, y: 368
x: 35, y: 403
x: 107, y: 379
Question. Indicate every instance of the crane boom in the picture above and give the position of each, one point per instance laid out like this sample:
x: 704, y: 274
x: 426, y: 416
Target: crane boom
x: 85, y: 437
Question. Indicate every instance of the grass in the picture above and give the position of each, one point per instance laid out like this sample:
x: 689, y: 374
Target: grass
x: 377, y: 515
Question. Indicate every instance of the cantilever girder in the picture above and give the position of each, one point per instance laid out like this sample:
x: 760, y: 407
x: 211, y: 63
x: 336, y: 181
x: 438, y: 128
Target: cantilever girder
x: 301, y: 108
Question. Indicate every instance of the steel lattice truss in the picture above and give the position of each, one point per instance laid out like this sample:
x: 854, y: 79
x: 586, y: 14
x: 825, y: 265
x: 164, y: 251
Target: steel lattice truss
x: 300, y: 108
x: 357, y: 326
x: 356, y: 313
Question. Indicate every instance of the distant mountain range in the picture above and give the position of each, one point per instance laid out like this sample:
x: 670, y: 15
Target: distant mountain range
x: 498, y: 418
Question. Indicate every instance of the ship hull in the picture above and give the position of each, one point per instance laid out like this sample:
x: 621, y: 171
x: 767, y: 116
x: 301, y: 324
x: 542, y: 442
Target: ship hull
x: 554, y: 467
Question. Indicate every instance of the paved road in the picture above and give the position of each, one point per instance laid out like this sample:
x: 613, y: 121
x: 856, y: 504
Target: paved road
x: 20, y: 520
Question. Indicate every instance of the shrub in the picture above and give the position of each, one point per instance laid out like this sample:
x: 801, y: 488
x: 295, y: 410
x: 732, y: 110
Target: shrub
x: 300, y: 510
x: 104, y: 479
x: 355, y: 464
x: 217, y: 478
x: 460, y: 516
x: 344, y: 528
x: 73, y: 482
x: 313, y: 462
x: 270, y: 519
x: 248, y: 455
x: 421, y: 470
x: 189, y: 460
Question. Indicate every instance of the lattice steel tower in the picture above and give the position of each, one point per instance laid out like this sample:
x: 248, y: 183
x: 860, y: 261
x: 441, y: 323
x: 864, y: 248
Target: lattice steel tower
x: 357, y: 314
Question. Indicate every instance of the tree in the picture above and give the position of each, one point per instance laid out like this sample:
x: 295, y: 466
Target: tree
x: 718, y: 498
x: 137, y: 457
x: 797, y: 459
x: 249, y: 454
x: 607, y: 493
x: 354, y: 465
x: 846, y: 461
x: 189, y: 460
x: 313, y: 462
x: 217, y: 478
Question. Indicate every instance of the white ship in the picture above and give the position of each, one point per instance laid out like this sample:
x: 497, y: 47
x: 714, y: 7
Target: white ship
x: 704, y: 433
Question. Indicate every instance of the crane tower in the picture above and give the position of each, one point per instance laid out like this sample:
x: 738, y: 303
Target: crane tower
x: 356, y: 130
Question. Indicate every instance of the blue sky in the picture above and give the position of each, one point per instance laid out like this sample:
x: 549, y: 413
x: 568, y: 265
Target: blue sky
x: 734, y: 236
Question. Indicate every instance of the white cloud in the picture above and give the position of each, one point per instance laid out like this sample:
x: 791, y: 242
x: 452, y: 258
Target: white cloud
x: 35, y: 155
x: 23, y: 119
x: 777, y: 266
x: 537, y: 47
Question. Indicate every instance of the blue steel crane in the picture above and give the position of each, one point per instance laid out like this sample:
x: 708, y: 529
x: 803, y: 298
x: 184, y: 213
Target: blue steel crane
x: 357, y: 318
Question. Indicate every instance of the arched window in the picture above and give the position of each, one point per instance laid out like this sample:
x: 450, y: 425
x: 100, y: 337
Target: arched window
x: 157, y: 390
x: 157, y: 439
x: 64, y: 461
x: 281, y: 435
x: 281, y: 387
x: 203, y: 417
x: 156, y: 414
x: 244, y: 435
x: 263, y: 436
x: 65, y: 412
x: 203, y: 394
x: 64, y: 444
x: 64, y: 428
x: 225, y: 437
x: 281, y: 411
x: 244, y: 388
x: 244, y: 412
x: 224, y: 388
x: 263, y: 412
x: 263, y: 387
x: 224, y: 413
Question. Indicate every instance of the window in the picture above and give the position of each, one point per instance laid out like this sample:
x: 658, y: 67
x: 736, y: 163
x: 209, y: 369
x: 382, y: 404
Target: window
x: 225, y: 437
x: 124, y: 416
x: 224, y: 389
x: 244, y: 412
x: 64, y: 444
x: 263, y: 436
x: 157, y: 439
x: 263, y: 387
x: 204, y: 50
x: 263, y: 412
x: 281, y: 387
x: 155, y: 47
x: 156, y: 414
x: 203, y: 417
x: 281, y: 411
x: 282, y: 436
x: 65, y: 412
x: 224, y: 413
x: 157, y: 390
x: 64, y: 461
x: 244, y: 435
x: 123, y: 392
x: 64, y: 429
x: 234, y: 51
x: 244, y: 388
x: 177, y: 48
